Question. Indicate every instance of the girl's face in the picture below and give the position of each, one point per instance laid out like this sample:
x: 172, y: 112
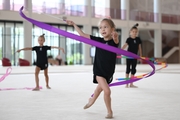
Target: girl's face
x: 105, y: 30
x: 133, y: 33
x: 41, y: 41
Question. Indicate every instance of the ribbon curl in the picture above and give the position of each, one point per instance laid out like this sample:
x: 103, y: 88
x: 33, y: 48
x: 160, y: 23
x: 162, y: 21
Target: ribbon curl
x: 8, y: 71
x: 90, y: 42
x: 153, y: 60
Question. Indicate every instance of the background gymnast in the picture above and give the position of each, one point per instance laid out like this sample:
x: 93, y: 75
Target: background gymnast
x: 42, y: 60
x: 134, y: 45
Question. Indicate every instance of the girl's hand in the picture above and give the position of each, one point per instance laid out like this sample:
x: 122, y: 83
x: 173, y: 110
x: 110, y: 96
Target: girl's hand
x: 115, y: 35
x: 18, y: 51
x: 69, y: 22
x: 63, y: 50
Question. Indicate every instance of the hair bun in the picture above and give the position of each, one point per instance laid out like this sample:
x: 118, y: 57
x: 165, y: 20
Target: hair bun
x: 136, y: 25
x: 43, y: 34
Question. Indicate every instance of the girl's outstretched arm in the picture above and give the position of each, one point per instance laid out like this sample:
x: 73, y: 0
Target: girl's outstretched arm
x: 58, y: 48
x: 80, y: 32
x: 28, y: 48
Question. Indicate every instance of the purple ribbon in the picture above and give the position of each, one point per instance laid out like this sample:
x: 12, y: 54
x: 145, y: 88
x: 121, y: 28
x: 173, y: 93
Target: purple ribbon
x: 25, y: 88
x: 8, y: 71
x: 90, y: 42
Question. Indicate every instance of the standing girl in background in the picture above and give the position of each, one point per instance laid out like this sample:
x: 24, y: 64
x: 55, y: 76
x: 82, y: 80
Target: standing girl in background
x: 42, y: 60
x: 104, y: 62
x: 134, y: 45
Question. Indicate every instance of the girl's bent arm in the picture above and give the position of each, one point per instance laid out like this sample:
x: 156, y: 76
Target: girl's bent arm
x: 115, y: 37
x: 124, y: 46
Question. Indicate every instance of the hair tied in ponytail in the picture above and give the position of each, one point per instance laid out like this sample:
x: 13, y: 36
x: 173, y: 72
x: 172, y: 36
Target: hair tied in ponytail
x: 136, y: 25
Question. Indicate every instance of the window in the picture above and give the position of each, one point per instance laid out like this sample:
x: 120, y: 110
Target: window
x: 11, y: 39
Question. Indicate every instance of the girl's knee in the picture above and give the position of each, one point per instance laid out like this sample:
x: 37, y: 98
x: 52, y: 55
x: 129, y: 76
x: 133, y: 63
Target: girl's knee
x: 133, y: 71
x: 128, y: 70
x: 98, y: 89
x: 36, y: 73
x: 107, y: 92
x: 46, y: 76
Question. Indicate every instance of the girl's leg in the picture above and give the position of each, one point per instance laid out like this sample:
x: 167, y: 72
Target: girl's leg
x: 46, y: 78
x: 128, y: 65
x: 131, y: 84
x: 127, y: 77
x: 107, y: 95
x: 133, y: 72
x: 37, y: 69
x: 97, y: 92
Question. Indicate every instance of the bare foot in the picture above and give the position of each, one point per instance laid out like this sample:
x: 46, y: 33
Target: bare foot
x: 89, y: 104
x: 133, y: 86
x: 126, y: 86
x: 48, y: 87
x: 109, y: 116
x: 36, y: 89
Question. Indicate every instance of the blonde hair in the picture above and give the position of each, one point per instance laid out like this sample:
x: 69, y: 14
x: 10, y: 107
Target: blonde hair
x: 42, y: 36
x: 109, y: 21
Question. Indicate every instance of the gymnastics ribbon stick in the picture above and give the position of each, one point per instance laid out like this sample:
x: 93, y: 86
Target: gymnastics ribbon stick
x: 88, y: 41
x: 8, y: 71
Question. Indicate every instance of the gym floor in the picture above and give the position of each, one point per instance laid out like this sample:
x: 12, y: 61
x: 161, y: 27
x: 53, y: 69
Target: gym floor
x: 156, y: 98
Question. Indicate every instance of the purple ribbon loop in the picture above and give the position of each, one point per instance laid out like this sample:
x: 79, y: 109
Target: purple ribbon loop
x: 90, y: 42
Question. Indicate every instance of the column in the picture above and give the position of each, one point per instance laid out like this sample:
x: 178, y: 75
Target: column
x: 6, y: 5
x: 158, y: 43
x: 124, y: 36
x: 157, y: 32
x: 107, y: 8
x: 124, y: 31
x: 157, y: 11
x: 28, y: 31
x: 87, y: 29
x: 61, y: 7
x: 124, y: 9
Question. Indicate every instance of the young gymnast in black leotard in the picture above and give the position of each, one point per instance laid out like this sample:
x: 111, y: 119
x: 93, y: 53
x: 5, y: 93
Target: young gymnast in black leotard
x: 104, y: 62
x: 42, y: 60
x: 134, y: 45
